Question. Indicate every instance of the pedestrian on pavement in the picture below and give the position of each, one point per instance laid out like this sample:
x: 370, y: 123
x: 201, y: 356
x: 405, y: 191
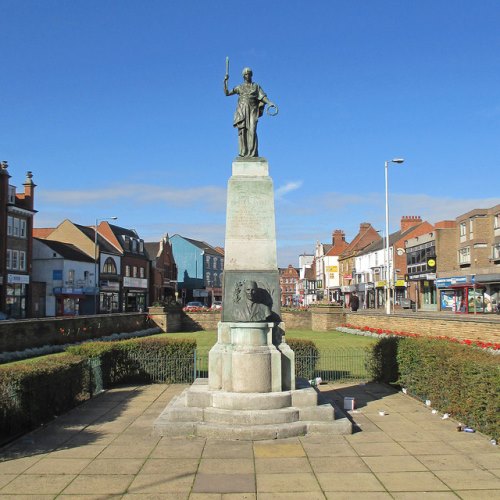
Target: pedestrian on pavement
x: 354, y: 302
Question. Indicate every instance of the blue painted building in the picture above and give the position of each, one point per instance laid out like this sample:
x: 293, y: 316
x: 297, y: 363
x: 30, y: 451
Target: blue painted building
x: 200, y: 267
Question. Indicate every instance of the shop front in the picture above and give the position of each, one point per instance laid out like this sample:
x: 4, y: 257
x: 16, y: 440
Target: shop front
x: 399, y: 291
x: 135, y: 294
x: 491, y: 282
x: 74, y: 301
x: 16, y: 295
x: 422, y: 289
x: 461, y: 295
x: 109, y: 296
x: 346, y: 291
x: 380, y: 294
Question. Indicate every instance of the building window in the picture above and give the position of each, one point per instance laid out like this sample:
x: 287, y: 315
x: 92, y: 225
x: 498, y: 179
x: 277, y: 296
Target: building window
x: 71, y: 276
x: 22, y: 228
x: 17, y: 224
x: 141, y: 272
x: 9, y: 259
x: 134, y: 245
x: 141, y: 246
x: 134, y: 272
x: 471, y: 229
x: 495, y: 252
x: 22, y: 260
x: 15, y: 259
x: 464, y: 255
x: 463, y: 232
x: 127, y: 271
x: 109, y: 266
x: 12, y: 195
x: 10, y: 225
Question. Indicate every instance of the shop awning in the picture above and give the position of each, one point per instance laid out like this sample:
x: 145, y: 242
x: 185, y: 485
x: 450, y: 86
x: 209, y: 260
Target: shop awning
x: 488, y: 278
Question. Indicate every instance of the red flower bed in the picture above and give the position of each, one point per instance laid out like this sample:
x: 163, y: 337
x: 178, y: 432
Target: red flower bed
x: 380, y: 331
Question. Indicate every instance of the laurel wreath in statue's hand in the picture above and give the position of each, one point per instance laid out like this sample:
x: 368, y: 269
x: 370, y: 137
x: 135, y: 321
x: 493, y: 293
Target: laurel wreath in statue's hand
x: 272, y: 107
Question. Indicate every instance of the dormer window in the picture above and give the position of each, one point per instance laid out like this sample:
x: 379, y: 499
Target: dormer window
x: 12, y: 195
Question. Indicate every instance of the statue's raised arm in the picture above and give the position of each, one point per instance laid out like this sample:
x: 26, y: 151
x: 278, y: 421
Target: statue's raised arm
x: 251, y: 103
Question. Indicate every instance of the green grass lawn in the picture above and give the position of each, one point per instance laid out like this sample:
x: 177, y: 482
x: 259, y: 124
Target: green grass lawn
x: 342, y: 354
x: 323, y: 340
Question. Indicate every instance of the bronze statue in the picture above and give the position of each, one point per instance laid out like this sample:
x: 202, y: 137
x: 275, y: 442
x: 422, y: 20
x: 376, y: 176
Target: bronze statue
x: 251, y: 103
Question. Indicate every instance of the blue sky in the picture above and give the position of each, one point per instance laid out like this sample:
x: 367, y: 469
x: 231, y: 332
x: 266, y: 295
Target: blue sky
x: 117, y: 107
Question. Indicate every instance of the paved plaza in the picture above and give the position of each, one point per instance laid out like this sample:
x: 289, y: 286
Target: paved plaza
x: 105, y: 449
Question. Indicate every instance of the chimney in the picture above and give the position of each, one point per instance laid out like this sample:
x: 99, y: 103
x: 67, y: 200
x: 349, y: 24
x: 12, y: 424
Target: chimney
x: 408, y: 221
x: 364, y: 226
x: 337, y: 236
x: 29, y: 190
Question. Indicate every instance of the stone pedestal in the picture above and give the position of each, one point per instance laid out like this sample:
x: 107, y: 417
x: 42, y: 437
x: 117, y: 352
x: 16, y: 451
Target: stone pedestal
x: 251, y: 389
x: 244, y: 359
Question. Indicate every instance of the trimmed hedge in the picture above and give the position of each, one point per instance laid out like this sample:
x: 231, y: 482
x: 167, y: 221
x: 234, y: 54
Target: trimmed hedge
x: 382, y: 364
x: 306, y: 356
x: 458, y: 380
x: 34, y: 391
x: 141, y: 360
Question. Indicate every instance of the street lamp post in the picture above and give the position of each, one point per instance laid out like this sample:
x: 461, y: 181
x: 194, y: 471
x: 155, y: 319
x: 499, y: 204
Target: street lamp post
x: 96, y: 284
x: 388, y: 276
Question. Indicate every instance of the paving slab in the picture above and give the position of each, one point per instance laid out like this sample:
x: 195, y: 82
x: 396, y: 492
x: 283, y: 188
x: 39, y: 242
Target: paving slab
x: 398, y: 463
x: 277, y: 449
x: 470, y: 480
x: 348, y: 481
x: 287, y: 482
x: 161, y: 483
x: 227, y: 449
x: 224, y: 483
x: 365, y: 495
x: 277, y: 465
x: 226, y: 466
x: 411, y: 481
x: 170, y: 465
x: 37, y: 484
x: 338, y: 464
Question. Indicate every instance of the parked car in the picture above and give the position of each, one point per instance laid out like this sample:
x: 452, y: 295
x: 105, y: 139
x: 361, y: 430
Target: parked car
x: 194, y: 306
x: 216, y: 304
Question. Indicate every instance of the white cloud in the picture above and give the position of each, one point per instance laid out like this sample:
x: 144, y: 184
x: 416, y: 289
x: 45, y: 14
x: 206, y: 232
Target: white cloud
x: 287, y: 188
x: 435, y: 209
x: 211, y: 197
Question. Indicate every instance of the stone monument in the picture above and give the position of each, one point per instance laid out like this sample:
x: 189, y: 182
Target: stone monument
x: 251, y: 389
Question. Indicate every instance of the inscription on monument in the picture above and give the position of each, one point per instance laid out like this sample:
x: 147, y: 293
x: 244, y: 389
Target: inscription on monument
x: 251, y: 212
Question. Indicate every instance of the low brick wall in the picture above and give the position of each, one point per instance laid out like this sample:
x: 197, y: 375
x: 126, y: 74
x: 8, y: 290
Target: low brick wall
x: 486, y: 329
x: 168, y: 319
x: 297, y: 320
x: 23, y: 334
x: 194, y: 321
x: 327, y: 318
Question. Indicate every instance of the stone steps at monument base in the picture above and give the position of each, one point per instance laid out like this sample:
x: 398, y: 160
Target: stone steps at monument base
x: 342, y: 426
x: 251, y: 432
x: 251, y: 417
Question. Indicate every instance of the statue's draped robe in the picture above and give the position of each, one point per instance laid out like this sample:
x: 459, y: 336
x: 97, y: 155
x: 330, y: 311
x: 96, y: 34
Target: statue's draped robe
x: 250, y: 108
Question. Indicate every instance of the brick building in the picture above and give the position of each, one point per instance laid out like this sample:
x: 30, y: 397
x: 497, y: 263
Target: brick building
x: 162, y: 272
x: 16, y: 245
x: 427, y: 254
x: 472, y: 282
x: 134, y: 265
x: 289, y: 278
x: 366, y: 235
